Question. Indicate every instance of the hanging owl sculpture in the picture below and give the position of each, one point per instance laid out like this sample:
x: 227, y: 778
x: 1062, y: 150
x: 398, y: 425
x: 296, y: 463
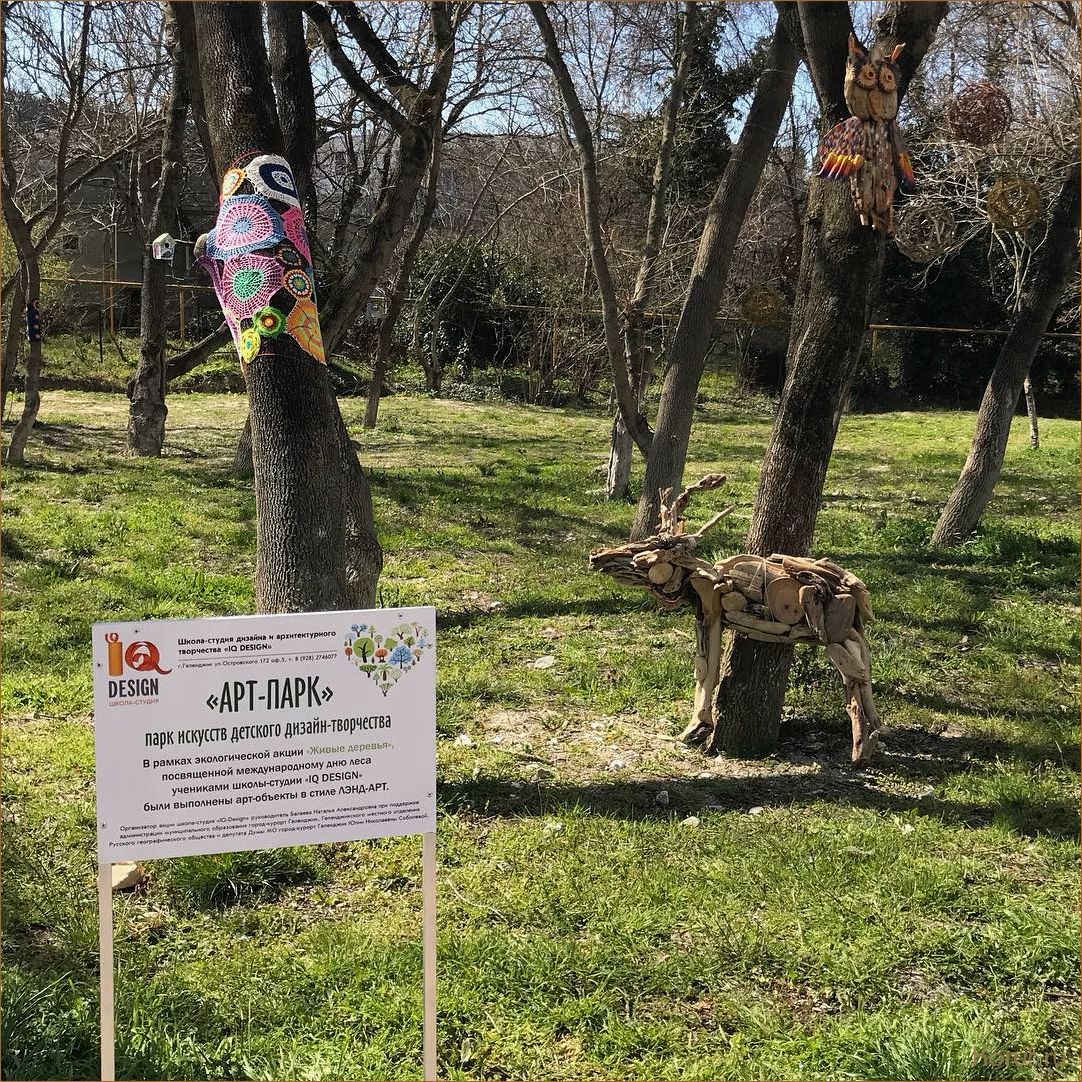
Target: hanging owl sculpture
x: 868, y: 148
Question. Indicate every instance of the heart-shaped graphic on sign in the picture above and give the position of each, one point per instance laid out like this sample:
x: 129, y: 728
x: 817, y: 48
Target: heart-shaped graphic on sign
x: 386, y: 657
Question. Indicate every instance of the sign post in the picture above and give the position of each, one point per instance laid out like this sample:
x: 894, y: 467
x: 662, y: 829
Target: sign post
x: 252, y: 732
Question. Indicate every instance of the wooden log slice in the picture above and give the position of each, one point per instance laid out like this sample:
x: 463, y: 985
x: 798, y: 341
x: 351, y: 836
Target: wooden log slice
x: 733, y: 601
x: 838, y: 617
x: 783, y: 600
x: 660, y: 572
x: 672, y: 584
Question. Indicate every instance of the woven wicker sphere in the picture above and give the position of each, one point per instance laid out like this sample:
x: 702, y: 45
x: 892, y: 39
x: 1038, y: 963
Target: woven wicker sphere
x: 980, y: 114
x: 762, y: 305
x: 924, y: 232
x: 1014, y: 203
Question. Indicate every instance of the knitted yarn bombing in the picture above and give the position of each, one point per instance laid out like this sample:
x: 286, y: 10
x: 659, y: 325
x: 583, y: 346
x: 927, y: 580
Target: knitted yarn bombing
x: 246, y: 223
x: 250, y: 283
x: 293, y: 223
x: 258, y: 258
x: 303, y: 325
x: 232, y: 180
x: 298, y: 283
x: 271, y: 176
x: 33, y: 321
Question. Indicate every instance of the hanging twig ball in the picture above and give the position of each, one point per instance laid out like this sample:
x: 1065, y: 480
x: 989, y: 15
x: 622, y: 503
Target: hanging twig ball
x: 980, y: 114
x: 762, y: 305
x: 924, y: 231
x: 1013, y: 203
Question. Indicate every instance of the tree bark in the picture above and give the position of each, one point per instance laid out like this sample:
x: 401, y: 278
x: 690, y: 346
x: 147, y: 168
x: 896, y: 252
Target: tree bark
x: 397, y: 297
x: 973, y: 490
x: 316, y: 546
x: 724, y: 219
x: 16, y: 452
x: 839, y: 277
x: 148, y: 411
x: 291, y: 77
x: 13, y: 337
x: 621, y: 452
x: 1031, y: 413
x: 242, y: 456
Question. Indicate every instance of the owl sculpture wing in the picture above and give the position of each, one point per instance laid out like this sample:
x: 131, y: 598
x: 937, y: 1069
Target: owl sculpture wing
x: 842, y: 150
x: 901, y: 158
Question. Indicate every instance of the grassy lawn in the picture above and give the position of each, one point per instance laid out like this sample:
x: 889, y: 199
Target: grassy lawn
x: 914, y: 920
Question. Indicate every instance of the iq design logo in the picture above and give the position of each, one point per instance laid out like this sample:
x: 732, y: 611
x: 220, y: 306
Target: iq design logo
x: 139, y: 657
x: 386, y: 657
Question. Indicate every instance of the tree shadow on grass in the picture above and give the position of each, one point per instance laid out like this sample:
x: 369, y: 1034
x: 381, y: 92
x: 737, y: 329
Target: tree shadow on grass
x: 528, y: 523
x: 535, y: 607
x: 636, y: 800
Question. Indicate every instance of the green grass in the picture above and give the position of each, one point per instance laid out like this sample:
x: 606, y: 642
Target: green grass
x: 915, y: 920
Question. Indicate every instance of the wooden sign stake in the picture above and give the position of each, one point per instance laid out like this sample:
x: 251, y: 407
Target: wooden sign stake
x: 105, y: 947
x: 428, y: 891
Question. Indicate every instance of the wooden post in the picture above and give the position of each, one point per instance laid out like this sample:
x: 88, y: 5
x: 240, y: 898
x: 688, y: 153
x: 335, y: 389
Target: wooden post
x: 112, y: 293
x: 180, y: 294
x: 428, y: 891
x: 105, y: 946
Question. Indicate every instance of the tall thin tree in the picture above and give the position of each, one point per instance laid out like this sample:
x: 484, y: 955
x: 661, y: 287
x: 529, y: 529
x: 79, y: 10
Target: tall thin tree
x: 840, y: 270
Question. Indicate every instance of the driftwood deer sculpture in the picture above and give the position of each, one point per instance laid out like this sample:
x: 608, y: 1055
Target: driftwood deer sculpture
x: 777, y: 599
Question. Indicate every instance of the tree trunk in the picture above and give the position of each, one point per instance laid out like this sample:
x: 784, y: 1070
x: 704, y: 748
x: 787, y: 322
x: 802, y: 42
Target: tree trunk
x: 16, y: 452
x: 724, y: 219
x: 242, y: 456
x: 1059, y: 258
x: 397, y: 297
x: 640, y: 364
x: 416, y: 132
x: 1031, y: 412
x: 291, y: 77
x: 621, y: 452
x: 316, y: 547
x: 839, y: 277
x: 590, y: 191
x: 147, y: 413
x: 15, y: 329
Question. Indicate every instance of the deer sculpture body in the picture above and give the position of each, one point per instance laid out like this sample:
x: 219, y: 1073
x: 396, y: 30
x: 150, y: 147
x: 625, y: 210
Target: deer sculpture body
x: 776, y: 599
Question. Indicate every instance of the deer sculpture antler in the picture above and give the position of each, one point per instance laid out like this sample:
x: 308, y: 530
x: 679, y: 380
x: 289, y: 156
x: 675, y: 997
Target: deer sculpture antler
x: 776, y: 599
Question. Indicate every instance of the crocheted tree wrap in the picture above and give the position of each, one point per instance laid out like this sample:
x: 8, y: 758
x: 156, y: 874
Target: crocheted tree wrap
x: 259, y: 260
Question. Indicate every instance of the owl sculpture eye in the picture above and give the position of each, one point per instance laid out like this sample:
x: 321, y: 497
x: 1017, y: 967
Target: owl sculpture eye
x: 887, y: 79
x: 866, y: 76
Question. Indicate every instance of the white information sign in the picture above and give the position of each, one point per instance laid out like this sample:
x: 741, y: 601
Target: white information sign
x: 251, y: 732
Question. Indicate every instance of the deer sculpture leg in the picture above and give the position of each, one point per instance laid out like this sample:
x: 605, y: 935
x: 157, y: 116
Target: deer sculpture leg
x: 707, y: 661
x: 852, y: 660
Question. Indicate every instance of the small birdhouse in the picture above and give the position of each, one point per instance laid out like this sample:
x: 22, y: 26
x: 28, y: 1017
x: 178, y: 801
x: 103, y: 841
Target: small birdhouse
x: 162, y: 247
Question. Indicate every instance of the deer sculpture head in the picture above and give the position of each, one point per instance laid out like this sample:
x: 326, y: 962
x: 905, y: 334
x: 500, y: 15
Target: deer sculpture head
x: 775, y: 599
